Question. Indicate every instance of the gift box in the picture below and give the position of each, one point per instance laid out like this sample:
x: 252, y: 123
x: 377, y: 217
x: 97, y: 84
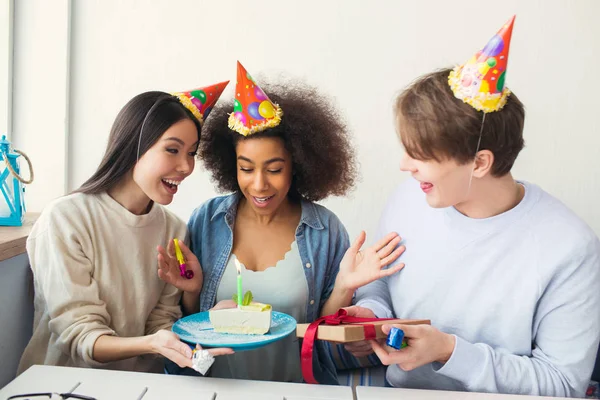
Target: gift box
x: 347, y: 332
x: 342, y: 328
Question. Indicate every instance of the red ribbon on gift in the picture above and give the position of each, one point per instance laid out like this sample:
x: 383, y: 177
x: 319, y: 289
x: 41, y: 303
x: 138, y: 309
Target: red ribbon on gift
x: 340, y: 317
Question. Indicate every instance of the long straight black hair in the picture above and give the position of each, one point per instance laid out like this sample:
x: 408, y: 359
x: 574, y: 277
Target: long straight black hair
x: 156, y: 112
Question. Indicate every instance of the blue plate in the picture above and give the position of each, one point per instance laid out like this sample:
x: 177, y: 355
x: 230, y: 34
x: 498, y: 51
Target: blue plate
x: 196, y: 328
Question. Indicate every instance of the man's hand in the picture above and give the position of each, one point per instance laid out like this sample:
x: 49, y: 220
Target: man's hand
x: 426, y: 344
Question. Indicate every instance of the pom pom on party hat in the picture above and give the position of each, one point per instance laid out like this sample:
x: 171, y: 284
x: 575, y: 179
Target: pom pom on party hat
x: 480, y: 81
x: 201, y: 101
x: 252, y: 110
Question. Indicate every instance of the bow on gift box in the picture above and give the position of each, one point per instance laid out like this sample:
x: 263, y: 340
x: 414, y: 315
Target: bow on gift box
x: 340, y: 317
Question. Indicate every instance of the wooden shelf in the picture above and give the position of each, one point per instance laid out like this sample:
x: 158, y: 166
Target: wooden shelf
x: 13, y: 238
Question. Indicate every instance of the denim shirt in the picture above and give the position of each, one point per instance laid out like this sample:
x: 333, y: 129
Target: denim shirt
x: 322, y: 241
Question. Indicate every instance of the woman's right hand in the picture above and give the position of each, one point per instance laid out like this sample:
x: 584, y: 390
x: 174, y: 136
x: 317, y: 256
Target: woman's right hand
x: 362, y: 348
x: 168, y: 268
x: 167, y: 344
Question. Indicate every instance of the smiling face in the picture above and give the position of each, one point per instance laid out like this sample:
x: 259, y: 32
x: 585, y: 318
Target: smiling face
x: 168, y: 162
x: 264, y: 173
x: 445, y: 182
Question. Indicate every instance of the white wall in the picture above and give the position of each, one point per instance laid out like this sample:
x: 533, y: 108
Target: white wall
x: 6, y: 20
x: 362, y: 53
x: 40, y: 94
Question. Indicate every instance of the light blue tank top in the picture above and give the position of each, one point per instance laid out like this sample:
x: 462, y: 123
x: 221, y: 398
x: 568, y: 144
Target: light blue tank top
x: 283, y: 286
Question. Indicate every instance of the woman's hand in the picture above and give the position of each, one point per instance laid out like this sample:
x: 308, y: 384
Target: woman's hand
x: 360, y: 267
x: 168, y: 268
x: 363, y: 347
x: 167, y: 344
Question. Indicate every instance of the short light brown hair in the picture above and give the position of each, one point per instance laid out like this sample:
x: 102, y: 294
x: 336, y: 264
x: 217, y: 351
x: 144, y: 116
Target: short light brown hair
x: 435, y: 125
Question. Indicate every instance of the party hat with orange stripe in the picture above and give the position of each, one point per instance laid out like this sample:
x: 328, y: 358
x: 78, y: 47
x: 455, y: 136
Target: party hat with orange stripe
x: 201, y: 101
x: 253, y: 111
x: 480, y: 81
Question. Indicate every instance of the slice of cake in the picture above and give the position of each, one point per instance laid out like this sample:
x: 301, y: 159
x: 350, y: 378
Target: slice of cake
x: 252, y: 318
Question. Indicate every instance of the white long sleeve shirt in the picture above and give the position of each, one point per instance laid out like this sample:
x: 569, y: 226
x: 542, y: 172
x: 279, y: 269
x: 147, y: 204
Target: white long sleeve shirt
x: 520, y: 290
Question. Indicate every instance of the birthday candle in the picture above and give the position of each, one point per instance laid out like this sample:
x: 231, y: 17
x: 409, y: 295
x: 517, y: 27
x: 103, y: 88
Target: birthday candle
x: 239, y: 282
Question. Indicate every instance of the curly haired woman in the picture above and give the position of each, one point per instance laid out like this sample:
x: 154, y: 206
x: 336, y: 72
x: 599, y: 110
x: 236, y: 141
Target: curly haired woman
x: 277, y: 156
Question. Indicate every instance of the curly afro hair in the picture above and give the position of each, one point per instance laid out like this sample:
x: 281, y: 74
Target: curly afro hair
x: 313, y: 131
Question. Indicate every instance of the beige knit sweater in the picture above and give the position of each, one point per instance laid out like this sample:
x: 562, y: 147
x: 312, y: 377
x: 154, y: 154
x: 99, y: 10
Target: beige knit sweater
x: 95, y: 273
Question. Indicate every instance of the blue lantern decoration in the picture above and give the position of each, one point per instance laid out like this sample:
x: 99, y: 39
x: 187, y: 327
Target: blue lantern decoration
x: 12, y: 203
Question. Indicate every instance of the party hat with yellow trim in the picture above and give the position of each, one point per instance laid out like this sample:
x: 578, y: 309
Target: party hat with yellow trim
x: 201, y: 101
x: 480, y: 81
x: 252, y: 110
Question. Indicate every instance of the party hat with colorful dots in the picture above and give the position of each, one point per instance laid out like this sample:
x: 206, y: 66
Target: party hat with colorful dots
x: 200, y: 101
x: 480, y: 82
x: 252, y: 110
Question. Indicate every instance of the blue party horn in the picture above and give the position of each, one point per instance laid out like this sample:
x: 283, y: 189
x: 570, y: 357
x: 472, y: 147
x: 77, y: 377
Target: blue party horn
x: 395, y: 338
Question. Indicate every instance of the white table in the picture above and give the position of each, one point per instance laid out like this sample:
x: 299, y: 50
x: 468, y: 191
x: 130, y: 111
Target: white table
x: 117, y: 385
x: 379, y: 393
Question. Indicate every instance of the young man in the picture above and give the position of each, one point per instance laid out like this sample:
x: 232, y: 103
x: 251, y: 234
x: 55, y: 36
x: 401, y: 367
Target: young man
x: 506, y: 273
